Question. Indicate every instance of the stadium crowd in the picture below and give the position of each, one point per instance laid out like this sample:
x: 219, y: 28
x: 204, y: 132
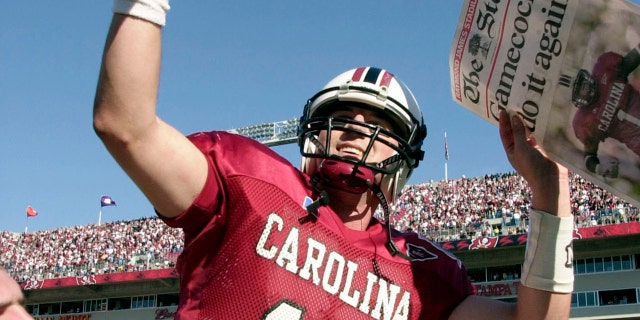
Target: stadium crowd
x: 496, y: 204
x: 489, y: 205
x: 119, y: 246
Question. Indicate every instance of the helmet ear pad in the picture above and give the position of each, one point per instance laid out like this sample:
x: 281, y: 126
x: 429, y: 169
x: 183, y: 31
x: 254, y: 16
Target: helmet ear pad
x: 392, y: 184
x: 308, y: 165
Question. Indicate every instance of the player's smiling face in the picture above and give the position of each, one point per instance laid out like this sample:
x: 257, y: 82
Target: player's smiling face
x: 353, y: 145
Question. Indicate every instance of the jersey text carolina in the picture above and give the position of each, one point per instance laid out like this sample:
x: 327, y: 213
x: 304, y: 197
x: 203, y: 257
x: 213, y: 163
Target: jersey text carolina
x: 332, y: 267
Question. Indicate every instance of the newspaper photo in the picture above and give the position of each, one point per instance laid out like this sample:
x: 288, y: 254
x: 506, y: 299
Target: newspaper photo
x: 568, y: 68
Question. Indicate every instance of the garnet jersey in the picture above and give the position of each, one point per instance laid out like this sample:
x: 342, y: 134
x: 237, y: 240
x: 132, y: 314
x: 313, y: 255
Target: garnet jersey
x: 615, y: 114
x: 247, y: 254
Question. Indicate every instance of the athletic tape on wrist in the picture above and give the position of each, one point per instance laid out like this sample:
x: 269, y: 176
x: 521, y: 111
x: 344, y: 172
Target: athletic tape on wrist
x: 151, y: 10
x: 548, y: 263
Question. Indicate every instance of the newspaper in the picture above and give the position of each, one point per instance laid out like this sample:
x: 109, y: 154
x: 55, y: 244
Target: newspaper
x: 568, y: 67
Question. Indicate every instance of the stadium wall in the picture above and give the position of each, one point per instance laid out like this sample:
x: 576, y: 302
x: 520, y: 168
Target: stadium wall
x: 606, y: 260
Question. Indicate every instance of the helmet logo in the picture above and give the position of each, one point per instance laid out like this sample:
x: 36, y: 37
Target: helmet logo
x: 372, y: 75
x: 419, y: 253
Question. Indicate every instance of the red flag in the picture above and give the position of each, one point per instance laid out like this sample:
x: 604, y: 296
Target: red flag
x: 31, y: 212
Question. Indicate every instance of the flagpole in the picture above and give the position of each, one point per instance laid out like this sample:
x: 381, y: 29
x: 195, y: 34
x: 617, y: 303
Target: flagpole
x: 26, y: 225
x: 446, y: 178
x: 99, y: 215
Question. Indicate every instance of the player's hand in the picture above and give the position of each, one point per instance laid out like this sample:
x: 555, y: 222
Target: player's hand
x: 545, y: 177
x: 609, y: 170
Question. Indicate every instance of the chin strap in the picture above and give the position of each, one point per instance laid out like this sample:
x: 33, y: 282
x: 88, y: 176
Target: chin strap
x: 312, y: 213
x: 391, y: 246
x: 312, y: 208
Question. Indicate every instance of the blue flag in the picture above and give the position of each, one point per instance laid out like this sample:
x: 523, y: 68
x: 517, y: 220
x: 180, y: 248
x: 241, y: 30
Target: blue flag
x: 106, y: 201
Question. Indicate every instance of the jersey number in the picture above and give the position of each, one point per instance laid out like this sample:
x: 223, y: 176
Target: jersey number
x: 284, y: 309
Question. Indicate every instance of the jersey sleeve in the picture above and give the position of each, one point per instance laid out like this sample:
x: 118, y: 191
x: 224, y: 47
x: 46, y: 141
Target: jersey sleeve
x: 608, y: 65
x: 226, y: 155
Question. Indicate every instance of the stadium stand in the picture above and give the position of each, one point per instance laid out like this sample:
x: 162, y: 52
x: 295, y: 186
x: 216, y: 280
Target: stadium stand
x: 124, y: 269
x: 120, y: 246
x: 464, y: 208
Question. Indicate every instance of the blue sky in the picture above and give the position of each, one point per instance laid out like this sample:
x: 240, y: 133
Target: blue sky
x: 225, y: 65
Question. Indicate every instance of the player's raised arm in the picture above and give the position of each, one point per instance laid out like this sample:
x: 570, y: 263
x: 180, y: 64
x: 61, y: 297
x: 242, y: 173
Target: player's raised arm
x: 630, y: 61
x: 547, y: 272
x: 164, y: 164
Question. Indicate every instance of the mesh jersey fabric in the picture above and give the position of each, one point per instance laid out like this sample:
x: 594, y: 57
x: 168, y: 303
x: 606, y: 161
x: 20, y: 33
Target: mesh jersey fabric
x: 247, y: 255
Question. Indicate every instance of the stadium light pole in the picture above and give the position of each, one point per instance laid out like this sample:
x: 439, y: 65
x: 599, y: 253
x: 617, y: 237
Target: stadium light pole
x: 272, y: 133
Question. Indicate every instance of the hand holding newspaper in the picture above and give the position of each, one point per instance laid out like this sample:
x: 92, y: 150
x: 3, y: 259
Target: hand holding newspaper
x: 569, y: 69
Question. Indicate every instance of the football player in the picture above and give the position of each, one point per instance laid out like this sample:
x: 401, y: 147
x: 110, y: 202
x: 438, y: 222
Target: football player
x: 608, y: 107
x: 267, y: 240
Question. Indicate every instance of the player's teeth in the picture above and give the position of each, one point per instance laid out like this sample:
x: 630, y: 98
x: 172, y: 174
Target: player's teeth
x: 351, y: 150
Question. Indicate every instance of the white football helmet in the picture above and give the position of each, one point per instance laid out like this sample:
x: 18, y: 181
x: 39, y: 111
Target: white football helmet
x: 374, y: 89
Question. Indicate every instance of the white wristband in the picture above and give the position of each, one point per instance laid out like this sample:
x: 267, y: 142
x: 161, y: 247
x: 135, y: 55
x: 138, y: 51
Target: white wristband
x: 151, y: 10
x: 548, y: 263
